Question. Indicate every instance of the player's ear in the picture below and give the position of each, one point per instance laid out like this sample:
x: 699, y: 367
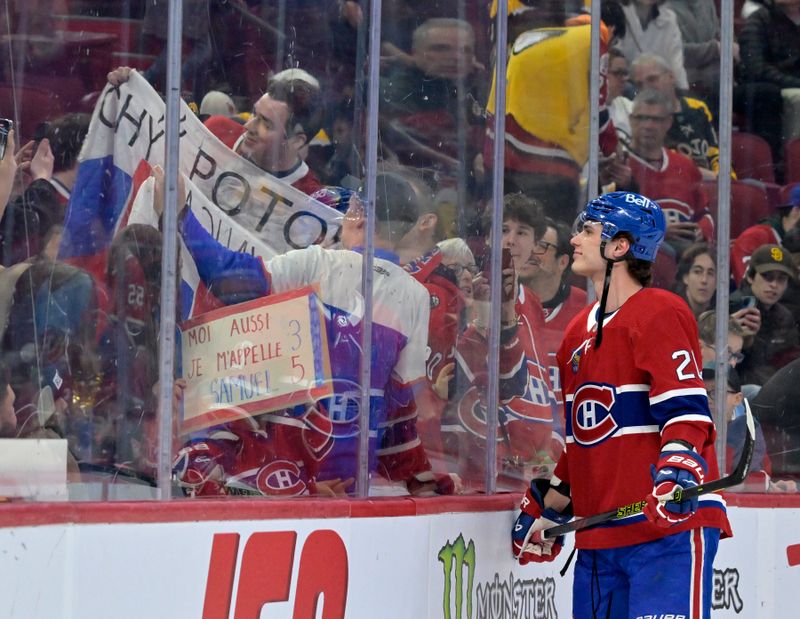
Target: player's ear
x: 621, y: 247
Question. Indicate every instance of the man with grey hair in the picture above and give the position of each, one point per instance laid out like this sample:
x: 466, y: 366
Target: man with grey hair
x: 432, y: 107
x: 692, y: 131
x: 665, y: 175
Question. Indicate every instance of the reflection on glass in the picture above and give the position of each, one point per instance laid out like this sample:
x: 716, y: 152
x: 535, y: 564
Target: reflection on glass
x: 278, y: 102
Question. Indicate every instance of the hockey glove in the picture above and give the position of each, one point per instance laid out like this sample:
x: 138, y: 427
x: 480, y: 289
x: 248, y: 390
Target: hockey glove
x: 526, y: 541
x: 675, y: 469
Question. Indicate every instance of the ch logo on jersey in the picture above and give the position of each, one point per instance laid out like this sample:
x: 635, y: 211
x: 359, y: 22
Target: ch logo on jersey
x: 280, y: 478
x: 592, y: 421
x: 472, y: 412
x: 343, y: 408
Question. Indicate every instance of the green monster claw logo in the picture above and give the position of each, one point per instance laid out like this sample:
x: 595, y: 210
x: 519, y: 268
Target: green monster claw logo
x: 455, y: 557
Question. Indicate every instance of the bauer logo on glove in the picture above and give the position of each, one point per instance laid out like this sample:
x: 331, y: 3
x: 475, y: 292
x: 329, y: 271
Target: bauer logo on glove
x: 675, y: 472
x: 527, y: 543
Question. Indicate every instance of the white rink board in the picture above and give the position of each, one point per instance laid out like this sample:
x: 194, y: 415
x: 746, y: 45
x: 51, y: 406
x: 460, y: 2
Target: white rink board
x: 395, y: 568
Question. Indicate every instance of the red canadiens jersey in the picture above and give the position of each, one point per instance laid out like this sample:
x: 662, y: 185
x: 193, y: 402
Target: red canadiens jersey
x: 464, y: 427
x: 279, y: 459
x: 446, y: 306
x: 677, y: 186
x: 524, y: 439
x: 556, y: 320
x: 538, y: 402
x: 641, y: 389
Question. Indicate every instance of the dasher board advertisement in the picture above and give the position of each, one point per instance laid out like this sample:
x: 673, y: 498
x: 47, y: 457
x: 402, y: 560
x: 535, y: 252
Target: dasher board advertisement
x: 335, y: 563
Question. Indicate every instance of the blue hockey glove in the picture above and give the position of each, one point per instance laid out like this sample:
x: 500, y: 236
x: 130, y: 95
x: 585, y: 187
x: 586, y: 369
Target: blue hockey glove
x: 675, y: 469
x: 526, y: 541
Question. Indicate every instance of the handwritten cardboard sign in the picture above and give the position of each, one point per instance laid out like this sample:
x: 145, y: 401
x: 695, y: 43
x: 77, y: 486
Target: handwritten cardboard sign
x: 254, y: 357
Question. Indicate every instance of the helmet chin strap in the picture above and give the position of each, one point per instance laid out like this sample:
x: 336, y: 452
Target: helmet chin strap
x: 604, y: 297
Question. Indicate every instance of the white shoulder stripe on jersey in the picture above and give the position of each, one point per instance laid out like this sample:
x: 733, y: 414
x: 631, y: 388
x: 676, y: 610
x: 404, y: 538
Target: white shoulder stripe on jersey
x: 676, y: 393
x: 398, y: 448
x: 712, y: 497
x: 628, y: 431
x: 453, y: 428
x: 690, y: 418
x: 632, y: 388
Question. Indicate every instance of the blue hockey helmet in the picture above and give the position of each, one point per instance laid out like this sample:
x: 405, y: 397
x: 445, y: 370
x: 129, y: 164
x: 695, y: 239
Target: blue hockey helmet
x: 624, y: 211
x: 335, y: 197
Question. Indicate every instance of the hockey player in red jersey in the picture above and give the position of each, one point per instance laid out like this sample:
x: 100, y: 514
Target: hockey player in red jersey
x: 637, y: 426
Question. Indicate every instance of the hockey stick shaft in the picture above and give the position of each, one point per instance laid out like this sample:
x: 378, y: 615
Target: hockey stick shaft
x: 735, y: 478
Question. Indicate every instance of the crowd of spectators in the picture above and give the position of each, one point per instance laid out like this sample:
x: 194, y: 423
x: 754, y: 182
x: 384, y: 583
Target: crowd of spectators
x: 79, y: 352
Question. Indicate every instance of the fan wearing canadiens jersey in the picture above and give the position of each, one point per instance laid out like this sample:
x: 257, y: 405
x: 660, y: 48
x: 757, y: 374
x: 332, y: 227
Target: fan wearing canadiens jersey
x: 400, y: 326
x: 637, y: 426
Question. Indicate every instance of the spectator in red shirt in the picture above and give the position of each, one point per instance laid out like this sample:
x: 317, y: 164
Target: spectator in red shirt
x: 665, y: 175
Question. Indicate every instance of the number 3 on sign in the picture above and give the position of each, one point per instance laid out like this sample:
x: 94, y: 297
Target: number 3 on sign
x: 295, y: 324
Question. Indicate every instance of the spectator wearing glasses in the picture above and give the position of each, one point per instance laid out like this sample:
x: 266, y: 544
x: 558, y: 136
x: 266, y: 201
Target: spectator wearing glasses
x: 776, y: 342
x: 665, y: 175
x: 458, y: 257
x: 707, y: 329
x: 547, y: 275
x: 619, y: 105
x: 692, y: 131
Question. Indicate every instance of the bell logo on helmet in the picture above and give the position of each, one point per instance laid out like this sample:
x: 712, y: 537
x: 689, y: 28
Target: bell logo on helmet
x: 633, y: 198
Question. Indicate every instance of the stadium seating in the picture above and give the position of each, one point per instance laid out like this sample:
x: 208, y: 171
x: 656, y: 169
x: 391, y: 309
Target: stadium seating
x: 751, y: 157
x: 791, y: 158
x: 749, y: 204
x: 28, y: 106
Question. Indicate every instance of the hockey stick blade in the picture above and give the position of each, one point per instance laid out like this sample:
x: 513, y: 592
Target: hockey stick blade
x: 735, y: 478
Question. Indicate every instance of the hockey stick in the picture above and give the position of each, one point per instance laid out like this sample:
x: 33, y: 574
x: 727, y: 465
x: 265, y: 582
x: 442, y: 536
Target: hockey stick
x: 736, y: 477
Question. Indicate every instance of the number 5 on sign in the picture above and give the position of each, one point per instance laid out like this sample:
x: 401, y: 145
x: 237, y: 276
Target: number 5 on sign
x: 254, y: 357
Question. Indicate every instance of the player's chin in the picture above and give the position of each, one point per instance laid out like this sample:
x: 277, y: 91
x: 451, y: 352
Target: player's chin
x: 580, y: 268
